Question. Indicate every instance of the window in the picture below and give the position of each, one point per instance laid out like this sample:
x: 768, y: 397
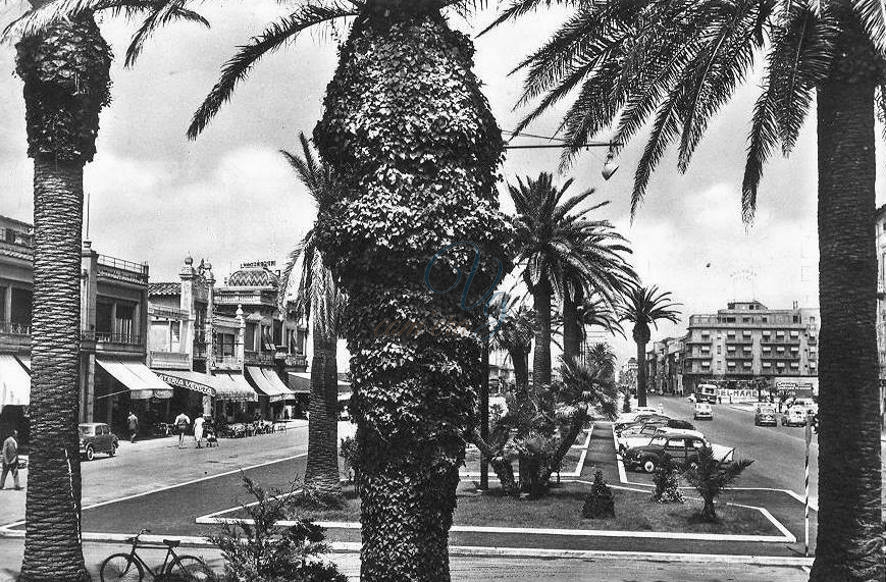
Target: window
x: 812, y: 365
x: 731, y: 364
x: 746, y: 333
x: 745, y: 319
x: 730, y: 320
x: 730, y: 334
x: 251, y: 341
x: 705, y: 364
x: 795, y: 333
x: 796, y: 319
x: 779, y: 333
x: 698, y: 444
x: 767, y: 349
x: 676, y: 444
x: 780, y: 364
x: 767, y: 364
x: 266, y: 339
x: 780, y: 349
x: 2, y: 304
x: 730, y: 349
x: 747, y: 349
x: 795, y: 364
x: 765, y: 319
x: 747, y: 364
x: 719, y: 349
x: 22, y: 303
x: 278, y: 332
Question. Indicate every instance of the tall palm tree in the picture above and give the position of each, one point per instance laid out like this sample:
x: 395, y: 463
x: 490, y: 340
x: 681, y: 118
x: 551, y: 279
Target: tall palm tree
x: 65, y: 65
x: 319, y: 301
x: 645, y: 306
x: 676, y: 63
x: 560, y: 248
x: 415, y: 148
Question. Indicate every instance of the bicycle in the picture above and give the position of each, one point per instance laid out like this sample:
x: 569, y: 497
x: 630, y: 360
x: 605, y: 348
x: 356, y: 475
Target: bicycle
x: 131, y: 567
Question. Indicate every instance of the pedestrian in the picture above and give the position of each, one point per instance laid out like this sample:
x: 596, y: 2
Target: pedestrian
x: 182, y: 422
x: 198, y: 431
x: 132, y: 420
x: 660, y: 408
x: 9, y: 457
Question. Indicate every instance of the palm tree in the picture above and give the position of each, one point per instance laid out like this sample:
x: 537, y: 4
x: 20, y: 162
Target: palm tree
x: 676, y: 63
x: 320, y: 302
x: 711, y: 477
x: 514, y: 336
x: 595, y: 312
x: 65, y: 65
x: 413, y: 144
x: 559, y: 249
x: 645, y: 306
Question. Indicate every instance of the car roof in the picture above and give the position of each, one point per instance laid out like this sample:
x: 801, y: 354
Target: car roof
x: 684, y: 433
x: 93, y: 424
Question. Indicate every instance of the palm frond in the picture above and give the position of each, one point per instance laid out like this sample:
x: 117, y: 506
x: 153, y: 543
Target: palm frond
x: 38, y: 19
x: 518, y: 8
x: 167, y: 13
x: 872, y: 15
x: 270, y: 40
x: 762, y: 140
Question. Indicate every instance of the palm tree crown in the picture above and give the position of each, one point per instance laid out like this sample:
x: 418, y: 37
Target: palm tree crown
x: 646, y: 306
x: 675, y: 63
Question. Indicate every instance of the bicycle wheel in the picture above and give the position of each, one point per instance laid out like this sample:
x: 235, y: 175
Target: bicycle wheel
x: 121, y: 568
x: 191, y: 568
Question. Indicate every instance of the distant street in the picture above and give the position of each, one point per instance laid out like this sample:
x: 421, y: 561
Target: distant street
x: 778, y: 452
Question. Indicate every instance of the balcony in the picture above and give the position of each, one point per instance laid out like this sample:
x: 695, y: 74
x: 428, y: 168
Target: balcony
x: 739, y: 341
x: 780, y: 341
x: 121, y: 270
x: 167, y: 313
x: 786, y: 356
x: 15, y: 337
x: 170, y: 360
x: 10, y: 328
x: 739, y: 357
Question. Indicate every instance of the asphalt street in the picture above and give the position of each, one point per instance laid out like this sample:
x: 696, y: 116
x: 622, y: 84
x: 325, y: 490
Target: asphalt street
x: 778, y: 451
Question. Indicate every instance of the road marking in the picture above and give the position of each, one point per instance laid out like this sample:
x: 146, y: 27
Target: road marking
x: 6, y: 529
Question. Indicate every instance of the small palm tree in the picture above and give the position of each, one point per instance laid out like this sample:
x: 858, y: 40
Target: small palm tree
x: 645, y: 306
x: 514, y: 336
x: 561, y: 249
x: 320, y: 302
x: 65, y: 65
x: 711, y: 477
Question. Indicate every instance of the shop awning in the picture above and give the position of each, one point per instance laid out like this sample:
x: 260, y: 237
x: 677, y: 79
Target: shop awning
x: 26, y: 362
x: 141, y: 381
x: 15, y: 383
x: 221, y: 386
x: 300, y: 383
x: 269, y: 383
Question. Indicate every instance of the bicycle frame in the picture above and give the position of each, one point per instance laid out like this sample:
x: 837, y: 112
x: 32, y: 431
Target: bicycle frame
x: 170, y: 553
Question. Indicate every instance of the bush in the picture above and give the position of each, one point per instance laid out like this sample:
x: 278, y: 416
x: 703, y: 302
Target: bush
x: 711, y: 477
x: 263, y: 552
x: 666, y: 479
x: 600, y: 502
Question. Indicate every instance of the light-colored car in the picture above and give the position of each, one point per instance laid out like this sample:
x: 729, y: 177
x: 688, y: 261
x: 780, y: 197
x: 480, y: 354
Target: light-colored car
x: 807, y: 403
x: 795, y: 416
x: 765, y: 414
x: 629, y: 417
x: 703, y: 411
x: 96, y: 437
x: 646, y: 435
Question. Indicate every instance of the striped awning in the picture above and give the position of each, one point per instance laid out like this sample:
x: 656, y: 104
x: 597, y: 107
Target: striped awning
x: 269, y: 383
x: 142, y: 382
x: 15, y: 382
x: 300, y: 383
x: 221, y: 386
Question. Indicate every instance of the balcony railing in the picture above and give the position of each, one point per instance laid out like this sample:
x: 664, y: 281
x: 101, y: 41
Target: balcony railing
x: 11, y: 328
x: 170, y: 360
x: 101, y: 337
x: 122, y: 270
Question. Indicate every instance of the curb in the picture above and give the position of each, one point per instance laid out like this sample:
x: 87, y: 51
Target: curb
x: 497, y: 552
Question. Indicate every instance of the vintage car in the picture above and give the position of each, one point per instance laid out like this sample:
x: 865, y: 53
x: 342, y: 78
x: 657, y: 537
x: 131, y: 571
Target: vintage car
x: 703, y: 411
x: 795, y: 416
x: 642, y: 419
x: 96, y: 437
x: 645, y: 436
x: 681, y: 446
x: 765, y: 414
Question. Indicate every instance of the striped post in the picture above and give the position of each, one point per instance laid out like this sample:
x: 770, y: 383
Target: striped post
x: 806, y: 524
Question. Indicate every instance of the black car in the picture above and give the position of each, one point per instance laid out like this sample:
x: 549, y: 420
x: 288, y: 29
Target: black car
x: 682, y: 448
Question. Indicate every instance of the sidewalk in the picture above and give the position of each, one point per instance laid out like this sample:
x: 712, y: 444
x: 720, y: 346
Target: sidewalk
x: 476, y: 569
x: 152, y: 464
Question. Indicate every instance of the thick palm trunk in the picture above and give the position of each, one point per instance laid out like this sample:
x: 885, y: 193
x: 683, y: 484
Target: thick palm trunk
x: 520, y: 359
x: 321, y: 473
x: 541, y: 355
x: 52, y: 542
x: 571, y: 328
x: 641, y: 374
x: 849, y: 437
x: 413, y: 142
x: 66, y: 78
x: 502, y: 467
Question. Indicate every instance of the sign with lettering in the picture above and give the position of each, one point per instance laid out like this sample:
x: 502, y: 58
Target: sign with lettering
x: 186, y: 384
x: 254, y: 264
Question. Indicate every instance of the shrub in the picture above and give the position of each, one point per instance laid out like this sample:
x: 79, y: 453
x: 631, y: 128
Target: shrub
x: 666, y: 479
x: 263, y: 552
x: 600, y: 502
x: 711, y: 477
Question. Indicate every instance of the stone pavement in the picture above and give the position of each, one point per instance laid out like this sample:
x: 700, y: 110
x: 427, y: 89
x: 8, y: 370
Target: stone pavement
x: 478, y: 569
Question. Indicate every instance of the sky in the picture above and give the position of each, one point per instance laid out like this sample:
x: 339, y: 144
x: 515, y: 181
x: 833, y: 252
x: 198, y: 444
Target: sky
x: 230, y: 197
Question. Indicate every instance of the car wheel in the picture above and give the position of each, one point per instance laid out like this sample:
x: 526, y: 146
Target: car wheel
x: 649, y: 465
x: 90, y: 453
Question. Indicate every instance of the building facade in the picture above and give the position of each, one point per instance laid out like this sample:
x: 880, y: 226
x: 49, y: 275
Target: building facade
x: 747, y: 342
x: 880, y: 237
x: 113, y: 346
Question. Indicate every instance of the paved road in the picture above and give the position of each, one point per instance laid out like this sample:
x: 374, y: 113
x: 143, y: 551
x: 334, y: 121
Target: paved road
x: 484, y: 569
x: 778, y: 452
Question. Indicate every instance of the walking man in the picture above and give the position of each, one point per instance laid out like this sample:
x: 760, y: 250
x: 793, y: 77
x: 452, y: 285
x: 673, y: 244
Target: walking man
x: 133, y: 426
x: 182, y: 422
x: 9, y: 457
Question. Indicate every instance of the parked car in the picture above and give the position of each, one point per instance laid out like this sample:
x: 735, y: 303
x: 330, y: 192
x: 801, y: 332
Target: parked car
x: 96, y: 437
x: 703, y: 411
x: 765, y: 414
x: 795, y: 416
x: 633, y: 415
x: 807, y: 403
x: 645, y: 436
x: 682, y: 447
x: 634, y: 428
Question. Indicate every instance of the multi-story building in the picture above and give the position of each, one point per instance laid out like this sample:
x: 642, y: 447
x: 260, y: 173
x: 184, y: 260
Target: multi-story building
x: 113, y: 348
x: 627, y: 378
x: 664, y: 361
x: 881, y: 305
x: 747, y: 341
x: 228, y: 349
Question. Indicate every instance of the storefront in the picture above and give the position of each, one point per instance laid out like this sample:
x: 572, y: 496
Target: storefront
x: 276, y: 399
x: 15, y: 395
x: 300, y: 384
x: 224, y: 396
x: 123, y: 386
